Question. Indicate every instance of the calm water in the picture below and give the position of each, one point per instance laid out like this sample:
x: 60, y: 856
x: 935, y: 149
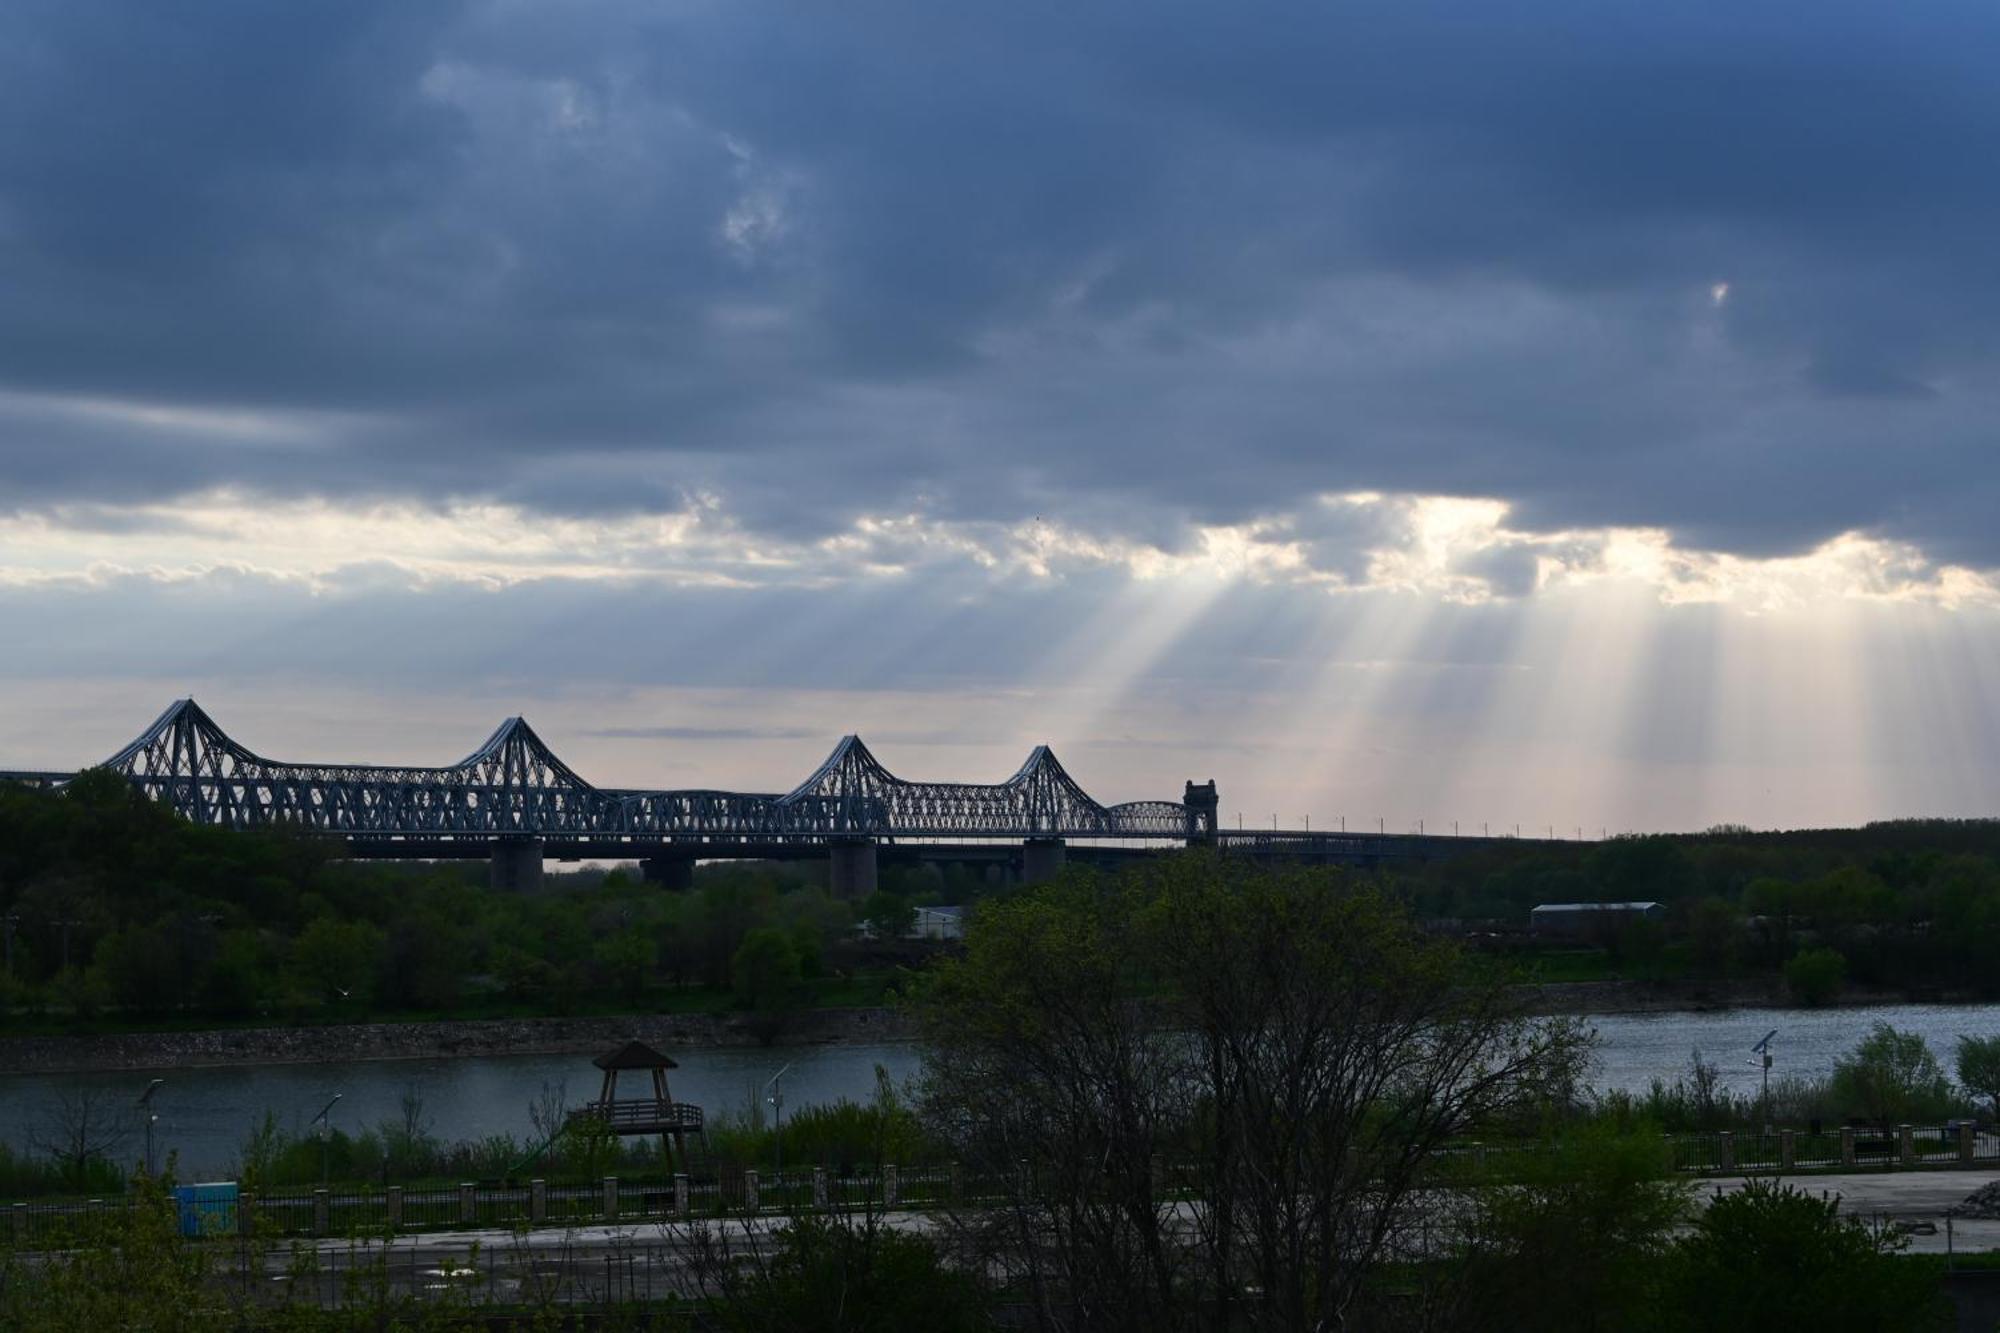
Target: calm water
x: 204, y: 1112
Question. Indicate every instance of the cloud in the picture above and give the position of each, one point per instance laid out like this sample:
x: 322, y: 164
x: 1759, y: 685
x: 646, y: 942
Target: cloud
x: 1139, y: 275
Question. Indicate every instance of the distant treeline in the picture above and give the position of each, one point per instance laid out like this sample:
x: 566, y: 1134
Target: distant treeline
x: 118, y: 912
x: 115, y: 909
x: 1909, y: 904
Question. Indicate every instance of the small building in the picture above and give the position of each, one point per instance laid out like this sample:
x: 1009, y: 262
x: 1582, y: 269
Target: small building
x: 1577, y: 920
x: 938, y: 923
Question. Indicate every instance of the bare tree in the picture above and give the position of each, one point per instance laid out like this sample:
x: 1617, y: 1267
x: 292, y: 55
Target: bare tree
x: 1210, y: 1093
x: 80, y: 1125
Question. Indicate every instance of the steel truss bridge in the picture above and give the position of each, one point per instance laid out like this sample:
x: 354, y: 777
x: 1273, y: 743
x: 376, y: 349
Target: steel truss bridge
x: 515, y: 801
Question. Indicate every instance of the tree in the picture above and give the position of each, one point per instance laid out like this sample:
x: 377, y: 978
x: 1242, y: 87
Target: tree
x: 1979, y: 1068
x: 81, y: 1126
x: 338, y: 960
x: 889, y: 915
x: 627, y: 959
x: 1715, y: 936
x: 1891, y: 1077
x: 1815, y: 976
x: 141, y: 968
x: 1574, y: 1238
x: 1289, y: 1046
x: 1769, y: 1257
x: 765, y: 973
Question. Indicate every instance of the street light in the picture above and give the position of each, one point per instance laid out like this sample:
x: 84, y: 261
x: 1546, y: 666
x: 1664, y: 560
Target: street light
x: 777, y: 1099
x: 324, y: 1121
x: 146, y: 1110
x: 1763, y: 1049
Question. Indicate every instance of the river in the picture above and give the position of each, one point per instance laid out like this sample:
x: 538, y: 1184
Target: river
x: 204, y: 1113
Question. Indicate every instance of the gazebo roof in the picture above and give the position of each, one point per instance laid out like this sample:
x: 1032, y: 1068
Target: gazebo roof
x: 634, y: 1055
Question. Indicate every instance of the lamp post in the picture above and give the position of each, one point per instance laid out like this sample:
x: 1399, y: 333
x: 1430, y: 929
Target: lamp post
x: 1763, y: 1050
x: 150, y: 1116
x: 324, y: 1121
x: 775, y: 1090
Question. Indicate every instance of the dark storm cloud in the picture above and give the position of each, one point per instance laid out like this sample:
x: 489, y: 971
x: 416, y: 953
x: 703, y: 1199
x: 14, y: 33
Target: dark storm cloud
x: 1126, y: 267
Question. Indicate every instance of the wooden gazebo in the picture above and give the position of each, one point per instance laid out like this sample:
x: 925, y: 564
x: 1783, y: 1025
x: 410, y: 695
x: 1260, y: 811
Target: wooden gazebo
x: 658, y: 1113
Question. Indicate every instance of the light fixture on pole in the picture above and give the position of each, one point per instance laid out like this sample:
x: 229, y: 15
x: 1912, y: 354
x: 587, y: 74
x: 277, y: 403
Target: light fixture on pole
x: 325, y: 1121
x: 151, y: 1117
x: 775, y: 1094
x: 1763, y: 1050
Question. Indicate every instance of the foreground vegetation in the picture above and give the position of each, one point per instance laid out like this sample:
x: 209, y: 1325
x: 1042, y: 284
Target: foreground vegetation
x: 1205, y: 1097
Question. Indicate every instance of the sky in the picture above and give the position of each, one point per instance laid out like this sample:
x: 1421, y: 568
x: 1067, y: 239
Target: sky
x: 1569, y: 416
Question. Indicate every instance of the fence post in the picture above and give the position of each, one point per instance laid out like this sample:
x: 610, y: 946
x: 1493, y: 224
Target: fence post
x: 1788, y: 1148
x: 682, y: 1205
x: 246, y: 1212
x: 468, y: 1207
x: 538, y: 1201
x: 957, y: 1184
x: 891, y: 1185
x: 395, y: 1206
x: 1847, y: 1145
x: 322, y: 1213
x: 1906, y: 1145
x: 610, y: 1197
x: 750, y: 1202
x: 819, y: 1187
x: 1965, y: 1140
x: 1479, y: 1158
x: 1728, y: 1150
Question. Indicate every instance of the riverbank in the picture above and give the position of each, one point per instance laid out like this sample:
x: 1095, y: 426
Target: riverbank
x: 449, y: 1039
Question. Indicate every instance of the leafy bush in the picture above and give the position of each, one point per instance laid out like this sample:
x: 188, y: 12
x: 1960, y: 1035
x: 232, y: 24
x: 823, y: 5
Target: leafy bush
x: 1816, y: 976
x: 1772, y: 1257
x: 1892, y: 1077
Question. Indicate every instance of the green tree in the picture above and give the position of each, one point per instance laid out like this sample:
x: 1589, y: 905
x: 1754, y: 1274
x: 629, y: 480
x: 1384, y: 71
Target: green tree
x: 1715, y: 936
x: 1979, y: 1068
x: 1891, y: 1077
x: 237, y: 981
x: 1816, y: 976
x: 765, y: 974
x: 338, y: 960
x: 1772, y: 1257
x: 626, y: 959
x: 1574, y: 1238
x: 889, y: 915
x: 141, y: 968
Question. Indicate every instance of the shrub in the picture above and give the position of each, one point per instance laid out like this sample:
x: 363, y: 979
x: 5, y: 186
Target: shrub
x: 1892, y: 1076
x: 1772, y: 1257
x: 1816, y: 976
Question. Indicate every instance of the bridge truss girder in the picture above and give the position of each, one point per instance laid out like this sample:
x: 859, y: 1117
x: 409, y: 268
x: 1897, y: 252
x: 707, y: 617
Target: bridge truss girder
x: 514, y: 786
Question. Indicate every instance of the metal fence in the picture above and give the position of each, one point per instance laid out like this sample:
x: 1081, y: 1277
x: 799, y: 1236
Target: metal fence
x: 742, y: 1193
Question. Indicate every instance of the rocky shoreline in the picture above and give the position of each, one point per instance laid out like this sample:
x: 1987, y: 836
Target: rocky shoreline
x: 580, y: 1036
x: 448, y: 1039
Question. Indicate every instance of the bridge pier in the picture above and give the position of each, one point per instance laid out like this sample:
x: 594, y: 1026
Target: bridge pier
x: 851, y: 871
x: 516, y: 865
x: 675, y: 874
x: 1042, y: 859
